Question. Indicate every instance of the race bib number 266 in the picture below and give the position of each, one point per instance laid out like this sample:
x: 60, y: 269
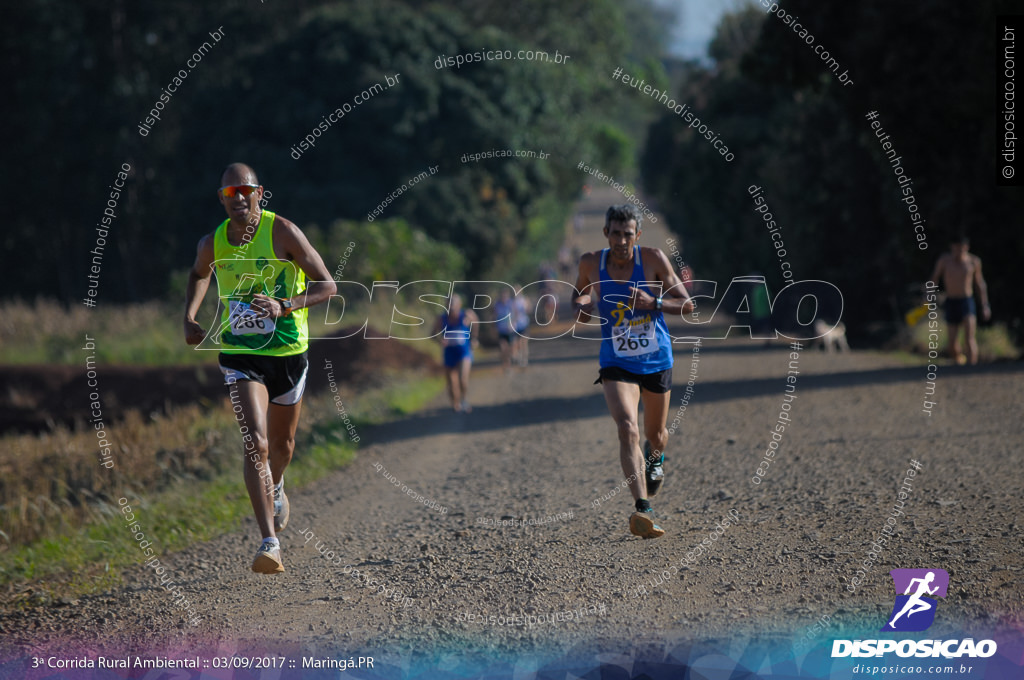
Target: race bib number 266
x: 634, y: 341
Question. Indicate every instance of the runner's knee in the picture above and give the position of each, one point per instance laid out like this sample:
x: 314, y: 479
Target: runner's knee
x: 256, y: 446
x: 284, y: 444
x: 629, y: 432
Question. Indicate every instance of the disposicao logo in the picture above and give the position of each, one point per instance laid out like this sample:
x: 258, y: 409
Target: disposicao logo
x: 914, y: 610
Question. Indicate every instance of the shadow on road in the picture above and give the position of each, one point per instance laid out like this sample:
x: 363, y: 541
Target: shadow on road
x: 560, y: 409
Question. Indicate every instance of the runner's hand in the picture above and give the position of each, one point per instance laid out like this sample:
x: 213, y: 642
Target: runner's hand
x: 584, y: 303
x: 266, y: 306
x: 641, y: 299
x: 194, y: 333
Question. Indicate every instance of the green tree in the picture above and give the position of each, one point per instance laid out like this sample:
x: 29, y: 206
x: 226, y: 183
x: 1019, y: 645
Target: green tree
x: 802, y: 136
x: 88, y: 72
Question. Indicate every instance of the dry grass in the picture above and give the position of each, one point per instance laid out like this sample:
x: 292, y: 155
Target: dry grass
x: 150, y: 334
x: 47, y: 332
x: 53, y: 481
x: 994, y: 341
x: 56, y: 499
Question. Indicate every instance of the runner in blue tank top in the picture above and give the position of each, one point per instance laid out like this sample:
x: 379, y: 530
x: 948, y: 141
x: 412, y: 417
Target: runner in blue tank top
x: 632, y: 288
x: 635, y: 340
x: 457, y: 334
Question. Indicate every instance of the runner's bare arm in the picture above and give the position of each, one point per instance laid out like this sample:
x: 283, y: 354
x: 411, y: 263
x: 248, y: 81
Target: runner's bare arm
x: 937, y: 272
x: 474, y: 321
x: 439, y: 331
x: 666, y: 274
x: 195, y: 291
x: 298, y: 249
x: 676, y: 300
x: 979, y: 281
x: 585, y: 279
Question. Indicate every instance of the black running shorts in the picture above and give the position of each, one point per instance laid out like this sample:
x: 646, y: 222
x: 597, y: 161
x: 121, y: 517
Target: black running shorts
x: 284, y: 377
x: 658, y: 383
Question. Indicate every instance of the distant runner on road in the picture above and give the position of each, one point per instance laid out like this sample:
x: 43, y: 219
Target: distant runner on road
x: 457, y: 328
x: 521, y: 323
x: 503, y: 314
x: 632, y: 287
x: 263, y: 262
x: 959, y: 272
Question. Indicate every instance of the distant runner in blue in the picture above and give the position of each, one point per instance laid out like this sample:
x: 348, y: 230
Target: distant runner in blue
x: 632, y: 288
x: 457, y: 329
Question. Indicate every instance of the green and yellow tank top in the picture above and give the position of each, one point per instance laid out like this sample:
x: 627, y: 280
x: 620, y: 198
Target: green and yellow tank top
x: 248, y: 269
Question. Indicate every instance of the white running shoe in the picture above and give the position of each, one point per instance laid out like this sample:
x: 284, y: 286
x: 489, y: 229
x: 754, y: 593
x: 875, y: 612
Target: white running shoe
x: 268, y: 560
x: 281, y: 508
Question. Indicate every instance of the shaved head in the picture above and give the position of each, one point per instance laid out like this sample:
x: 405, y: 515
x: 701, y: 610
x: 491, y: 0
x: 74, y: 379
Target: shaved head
x: 244, y: 207
x: 238, y: 173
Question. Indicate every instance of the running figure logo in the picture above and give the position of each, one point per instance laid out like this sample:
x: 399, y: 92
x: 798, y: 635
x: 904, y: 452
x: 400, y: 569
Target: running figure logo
x: 914, y: 611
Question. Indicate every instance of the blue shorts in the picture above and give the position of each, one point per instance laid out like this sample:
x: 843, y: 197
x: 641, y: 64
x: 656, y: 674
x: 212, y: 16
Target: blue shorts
x: 454, y: 354
x: 958, y: 309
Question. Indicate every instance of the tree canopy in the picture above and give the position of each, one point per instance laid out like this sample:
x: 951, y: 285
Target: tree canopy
x: 86, y: 75
x: 802, y: 136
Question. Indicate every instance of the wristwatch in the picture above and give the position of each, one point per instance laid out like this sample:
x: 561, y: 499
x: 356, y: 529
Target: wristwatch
x: 657, y: 304
x: 286, y: 306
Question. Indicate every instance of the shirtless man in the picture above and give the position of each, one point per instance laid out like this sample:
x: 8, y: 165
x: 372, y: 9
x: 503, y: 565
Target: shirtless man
x: 960, y: 272
x: 632, y: 288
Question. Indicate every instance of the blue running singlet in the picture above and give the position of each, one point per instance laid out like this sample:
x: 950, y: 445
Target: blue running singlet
x: 458, y: 347
x: 634, y: 340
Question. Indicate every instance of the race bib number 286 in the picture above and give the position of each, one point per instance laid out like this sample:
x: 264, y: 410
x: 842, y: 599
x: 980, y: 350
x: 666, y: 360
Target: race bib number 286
x: 244, y: 320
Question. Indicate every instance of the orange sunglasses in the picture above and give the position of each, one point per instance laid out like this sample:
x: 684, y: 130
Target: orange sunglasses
x: 244, y: 189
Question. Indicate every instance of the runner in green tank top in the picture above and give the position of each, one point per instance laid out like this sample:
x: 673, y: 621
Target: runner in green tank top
x: 251, y: 269
x: 267, y: 276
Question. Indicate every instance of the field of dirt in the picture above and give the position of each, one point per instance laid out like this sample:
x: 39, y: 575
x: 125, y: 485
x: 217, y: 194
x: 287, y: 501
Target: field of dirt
x: 504, y: 519
x: 35, y: 398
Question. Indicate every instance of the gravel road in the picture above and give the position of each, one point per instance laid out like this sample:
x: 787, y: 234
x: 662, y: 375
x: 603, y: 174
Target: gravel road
x: 507, y: 536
